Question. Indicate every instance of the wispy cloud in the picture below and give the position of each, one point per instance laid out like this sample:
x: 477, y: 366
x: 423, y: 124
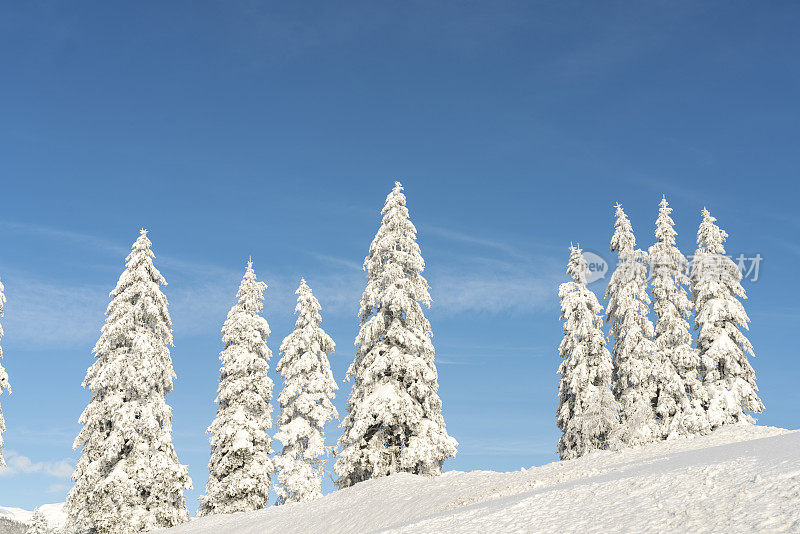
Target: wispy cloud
x: 487, y: 276
x: 74, y: 237
x: 335, y: 260
x: 65, y: 436
x: 453, y: 235
x: 41, y: 313
x: 487, y: 292
x: 481, y: 284
x: 451, y: 361
x: 22, y: 465
x: 338, y: 293
x: 490, y: 275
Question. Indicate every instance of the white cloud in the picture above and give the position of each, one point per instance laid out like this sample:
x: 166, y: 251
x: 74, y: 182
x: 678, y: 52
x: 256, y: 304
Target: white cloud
x: 20, y: 465
x: 59, y: 234
x: 448, y: 361
x: 490, y: 276
x: 51, y: 435
x: 337, y: 261
x: 476, y: 283
x: 453, y: 235
x: 42, y: 313
x: 492, y: 292
x: 337, y: 292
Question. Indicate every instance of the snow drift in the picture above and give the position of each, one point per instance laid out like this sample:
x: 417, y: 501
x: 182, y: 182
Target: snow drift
x: 739, y: 478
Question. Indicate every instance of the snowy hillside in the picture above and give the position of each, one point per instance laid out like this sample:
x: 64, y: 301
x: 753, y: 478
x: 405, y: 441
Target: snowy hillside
x: 54, y: 513
x: 739, y: 478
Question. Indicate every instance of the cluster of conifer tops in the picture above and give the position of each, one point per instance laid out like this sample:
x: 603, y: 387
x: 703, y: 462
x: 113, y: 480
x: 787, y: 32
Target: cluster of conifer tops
x: 656, y: 382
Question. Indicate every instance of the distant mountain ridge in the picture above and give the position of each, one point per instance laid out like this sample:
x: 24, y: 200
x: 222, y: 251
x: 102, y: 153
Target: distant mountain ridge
x: 11, y: 518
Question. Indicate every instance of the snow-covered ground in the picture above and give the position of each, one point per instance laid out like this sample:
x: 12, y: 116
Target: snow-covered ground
x: 738, y: 479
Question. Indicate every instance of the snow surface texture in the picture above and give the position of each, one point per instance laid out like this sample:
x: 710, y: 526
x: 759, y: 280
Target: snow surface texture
x: 739, y: 478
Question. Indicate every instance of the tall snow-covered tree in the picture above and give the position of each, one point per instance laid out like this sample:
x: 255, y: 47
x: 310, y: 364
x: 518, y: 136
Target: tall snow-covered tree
x: 3, y: 378
x: 394, y: 421
x: 634, y: 376
x: 678, y: 393
x: 729, y: 381
x: 240, y: 467
x: 587, y: 412
x: 306, y: 405
x: 128, y: 478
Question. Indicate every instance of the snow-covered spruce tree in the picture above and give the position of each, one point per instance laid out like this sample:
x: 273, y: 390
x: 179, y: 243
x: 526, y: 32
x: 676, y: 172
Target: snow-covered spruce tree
x: 3, y: 378
x: 679, y: 388
x: 587, y: 412
x: 39, y: 524
x: 634, y: 376
x: 128, y: 478
x: 305, y: 401
x: 729, y: 381
x: 240, y: 467
x: 394, y: 421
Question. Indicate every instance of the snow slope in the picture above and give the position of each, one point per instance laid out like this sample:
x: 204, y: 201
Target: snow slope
x: 738, y: 479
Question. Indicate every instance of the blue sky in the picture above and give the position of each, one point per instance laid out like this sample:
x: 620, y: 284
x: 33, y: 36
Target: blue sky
x: 243, y: 128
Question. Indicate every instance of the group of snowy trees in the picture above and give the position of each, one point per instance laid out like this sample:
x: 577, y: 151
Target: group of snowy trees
x: 653, y: 384
x: 128, y: 478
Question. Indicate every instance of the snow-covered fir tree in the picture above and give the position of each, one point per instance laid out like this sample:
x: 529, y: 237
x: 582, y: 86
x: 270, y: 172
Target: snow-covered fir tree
x: 306, y: 405
x: 3, y: 378
x: 587, y: 412
x: 729, y: 381
x: 634, y: 376
x: 240, y: 467
x: 679, y: 388
x: 128, y: 478
x: 394, y: 421
x: 39, y: 524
